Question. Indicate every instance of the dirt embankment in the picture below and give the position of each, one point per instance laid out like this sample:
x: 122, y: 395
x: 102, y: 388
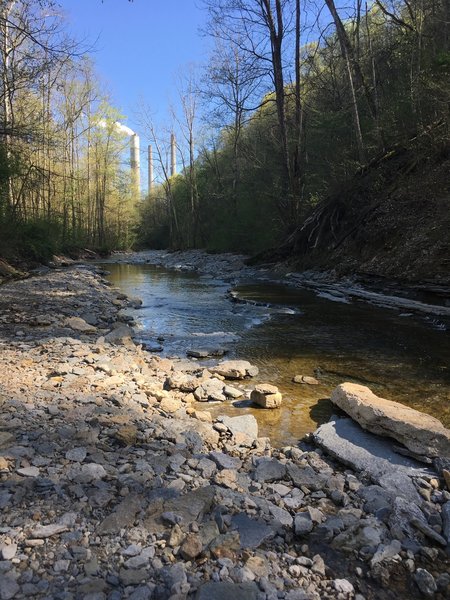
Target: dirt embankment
x: 392, y: 221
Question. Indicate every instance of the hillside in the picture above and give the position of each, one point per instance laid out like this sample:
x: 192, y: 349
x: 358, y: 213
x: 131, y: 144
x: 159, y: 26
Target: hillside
x: 391, y: 221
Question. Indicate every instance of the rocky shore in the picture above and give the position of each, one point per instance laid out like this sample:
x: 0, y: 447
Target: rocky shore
x: 115, y: 484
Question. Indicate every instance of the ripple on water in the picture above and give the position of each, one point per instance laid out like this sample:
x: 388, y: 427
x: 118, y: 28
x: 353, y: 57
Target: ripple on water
x: 290, y: 331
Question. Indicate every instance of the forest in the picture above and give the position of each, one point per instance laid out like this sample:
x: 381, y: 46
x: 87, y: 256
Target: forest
x: 296, y: 98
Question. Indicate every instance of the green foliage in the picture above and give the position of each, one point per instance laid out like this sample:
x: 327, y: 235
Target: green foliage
x: 239, y: 178
x: 33, y: 241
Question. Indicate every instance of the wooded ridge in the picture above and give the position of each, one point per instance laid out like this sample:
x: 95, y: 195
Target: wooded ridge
x: 296, y: 110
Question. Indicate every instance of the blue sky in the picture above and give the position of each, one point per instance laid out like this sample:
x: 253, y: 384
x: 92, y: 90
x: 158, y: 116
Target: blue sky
x: 139, y: 47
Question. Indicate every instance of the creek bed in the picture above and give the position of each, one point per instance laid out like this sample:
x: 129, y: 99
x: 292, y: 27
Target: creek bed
x: 287, y: 331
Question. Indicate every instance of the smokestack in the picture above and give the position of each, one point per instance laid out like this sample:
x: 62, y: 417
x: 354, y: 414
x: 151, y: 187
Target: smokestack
x: 173, y: 155
x: 135, y: 163
x: 150, y: 169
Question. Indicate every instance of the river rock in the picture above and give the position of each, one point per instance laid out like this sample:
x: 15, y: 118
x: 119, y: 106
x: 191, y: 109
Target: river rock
x: 235, y: 369
x: 6, y: 439
x: 76, y: 454
x: 134, y: 301
x: 421, y: 433
x: 252, y: 532
x: 269, y: 469
x: 225, y: 461
x: 46, y: 531
x: 205, y: 352
x: 306, y: 476
x: 386, y: 552
x: 246, y: 424
x: 122, y: 334
x: 232, y: 392
x: 266, y: 396
x: 305, y: 379
x: 303, y: 523
x: 191, y: 547
x: 29, y: 472
x: 181, y: 381
x: 363, y: 451
x: 211, y: 389
x: 170, y: 405
x: 8, y: 551
x: 227, y: 591
x: 79, y: 324
x: 9, y: 587
x: 123, y: 516
x: 191, y: 506
x: 425, y: 582
x: 168, y: 505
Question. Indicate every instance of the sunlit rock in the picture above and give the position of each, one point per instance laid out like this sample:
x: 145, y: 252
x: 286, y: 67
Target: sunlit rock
x: 419, y: 432
x: 235, y: 369
x: 305, y: 379
x: 266, y: 396
x: 246, y: 424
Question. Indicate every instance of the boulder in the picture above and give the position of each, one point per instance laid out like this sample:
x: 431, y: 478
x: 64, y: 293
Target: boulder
x: 235, y: 369
x: 421, y: 433
x: 266, y: 396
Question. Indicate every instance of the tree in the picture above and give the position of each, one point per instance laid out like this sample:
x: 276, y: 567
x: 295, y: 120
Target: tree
x: 230, y: 87
x: 259, y: 29
x: 355, y: 77
x: 187, y: 123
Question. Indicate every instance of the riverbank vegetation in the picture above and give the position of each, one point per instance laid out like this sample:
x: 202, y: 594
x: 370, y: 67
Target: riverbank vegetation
x: 297, y: 100
x: 308, y: 97
x: 62, y: 184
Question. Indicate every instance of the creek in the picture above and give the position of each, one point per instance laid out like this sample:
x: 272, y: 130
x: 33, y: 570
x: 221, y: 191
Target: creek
x: 289, y: 331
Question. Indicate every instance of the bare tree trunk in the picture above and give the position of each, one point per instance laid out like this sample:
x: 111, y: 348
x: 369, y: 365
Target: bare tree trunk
x: 297, y: 167
x: 379, y: 130
x: 354, y: 76
x: 7, y: 93
x: 276, y: 30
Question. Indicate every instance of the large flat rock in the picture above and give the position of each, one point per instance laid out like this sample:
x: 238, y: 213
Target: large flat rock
x: 345, y: 440
x: 419, y: 432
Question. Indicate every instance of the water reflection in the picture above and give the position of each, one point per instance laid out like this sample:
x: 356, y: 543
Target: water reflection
x: 287, y: 332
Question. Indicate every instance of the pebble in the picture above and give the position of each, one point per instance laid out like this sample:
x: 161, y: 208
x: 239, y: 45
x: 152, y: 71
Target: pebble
x: 425, y: 582
x: 29, y: 471
x: 8, y: 551
x: 76, y: 454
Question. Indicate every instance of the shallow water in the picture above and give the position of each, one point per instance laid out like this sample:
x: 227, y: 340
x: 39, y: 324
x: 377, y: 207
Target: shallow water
x: 287, y: 331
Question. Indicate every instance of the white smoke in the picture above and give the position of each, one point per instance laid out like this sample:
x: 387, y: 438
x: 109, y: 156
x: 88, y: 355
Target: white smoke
x: 123, y: 129
x: 118, y: 126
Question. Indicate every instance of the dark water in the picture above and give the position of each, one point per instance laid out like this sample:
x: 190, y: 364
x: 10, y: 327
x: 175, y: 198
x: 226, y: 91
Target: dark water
x: 285, y: 332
